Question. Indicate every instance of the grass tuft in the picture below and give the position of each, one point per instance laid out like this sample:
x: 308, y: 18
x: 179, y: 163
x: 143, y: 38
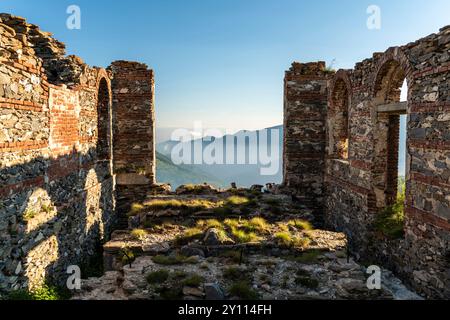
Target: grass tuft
x: 244, y: 237
x: 237, y: 201
x: 193, y: 281
x: 243, y: 291
x: 234, y: 256
x: 283, y: 238
x: 307, y: 282
x: 209, y: 224
x: 235, y: 273
x: 174, y: 260
x: 189, y: 235
x: 300, y: 224
x: 44, y: 293
x: 307, y: 257
x: 158, y: 277
x: 139, y: 234
x: 135, y: 209
x: 390, y: 222
x: 258, y: 225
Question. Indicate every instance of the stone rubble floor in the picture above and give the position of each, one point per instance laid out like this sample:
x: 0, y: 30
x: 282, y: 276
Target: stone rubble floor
x: 155, y: 259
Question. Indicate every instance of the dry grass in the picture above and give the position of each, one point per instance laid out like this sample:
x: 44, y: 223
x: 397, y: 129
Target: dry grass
x: 237, y: 200
x: 209, y: 224
x: 288, y: 240
x: 135, y: 209
x: 258, y: 225
x: 244, y: 237
x: 139, y: 234
x: 300, y: 225
x: 189, y: 235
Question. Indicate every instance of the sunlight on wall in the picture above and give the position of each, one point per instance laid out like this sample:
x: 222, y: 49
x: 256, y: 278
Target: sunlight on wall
x: 39, y: 259
x: 39, y: 211
x: 93, y: 206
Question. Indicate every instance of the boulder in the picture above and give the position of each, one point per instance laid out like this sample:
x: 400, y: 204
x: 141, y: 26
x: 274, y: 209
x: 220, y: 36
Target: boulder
x: 194, y: 292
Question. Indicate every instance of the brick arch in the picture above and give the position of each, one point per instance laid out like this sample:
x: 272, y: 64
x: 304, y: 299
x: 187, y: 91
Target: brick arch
x: 341, y: 76
x: 392, y: 68
x: 340, y: 96
x: 103, y: 75
x: 104, y: 116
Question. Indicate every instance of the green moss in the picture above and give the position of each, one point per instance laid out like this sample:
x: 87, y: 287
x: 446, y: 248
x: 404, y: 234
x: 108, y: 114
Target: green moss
x: 157, y: 277
x: 243, y: 291
x: 193, y: 281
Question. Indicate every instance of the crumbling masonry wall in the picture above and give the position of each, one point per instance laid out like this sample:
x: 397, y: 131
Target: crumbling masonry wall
x: 305, y: 108
x: 362, y: 180
x: 134, y: 132
x: 57, y: 183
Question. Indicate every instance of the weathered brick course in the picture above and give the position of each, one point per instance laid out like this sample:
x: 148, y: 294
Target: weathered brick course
x: 57, y: 183
x: 360, y: 184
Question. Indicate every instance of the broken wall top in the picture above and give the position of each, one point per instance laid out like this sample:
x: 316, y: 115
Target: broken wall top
x: 26, y: 44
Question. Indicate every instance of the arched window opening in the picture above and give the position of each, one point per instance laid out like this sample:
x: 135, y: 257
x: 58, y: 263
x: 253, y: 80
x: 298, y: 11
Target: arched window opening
x: 103, y: 122
x: 390, y: 167
x: 339, y: 122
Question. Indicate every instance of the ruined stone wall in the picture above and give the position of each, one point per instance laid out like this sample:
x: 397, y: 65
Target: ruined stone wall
x: 305, y: 107
x: 361, y: 166
x: 56, y: 191
x: 134, y: 132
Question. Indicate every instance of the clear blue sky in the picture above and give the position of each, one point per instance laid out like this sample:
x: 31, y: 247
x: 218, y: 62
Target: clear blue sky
x: 223, y: 61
